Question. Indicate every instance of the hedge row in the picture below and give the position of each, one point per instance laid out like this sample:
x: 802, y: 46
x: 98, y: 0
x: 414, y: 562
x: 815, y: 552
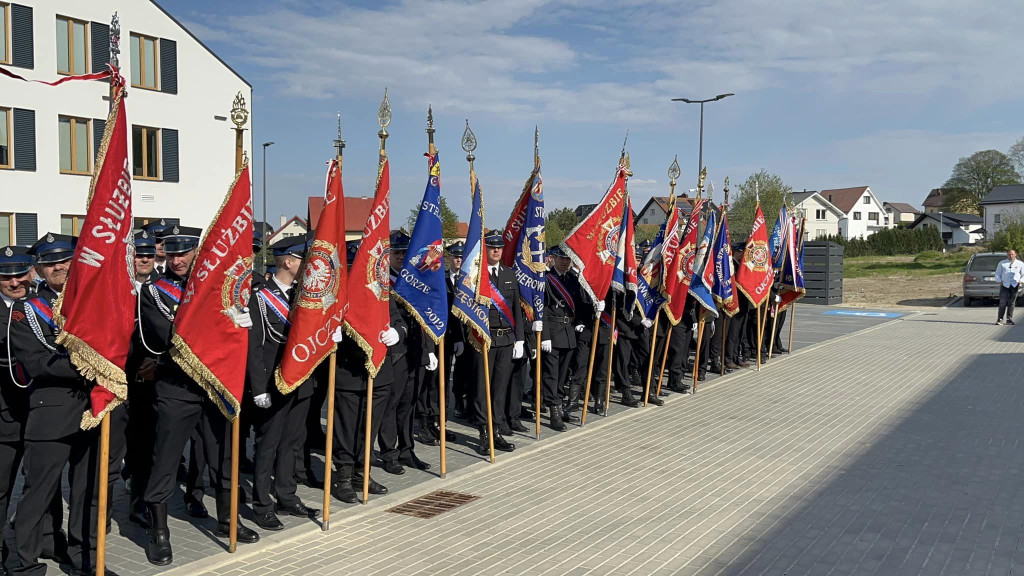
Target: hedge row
x: 890, y: 242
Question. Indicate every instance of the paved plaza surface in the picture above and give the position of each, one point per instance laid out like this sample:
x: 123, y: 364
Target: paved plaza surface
x: 879, y: 446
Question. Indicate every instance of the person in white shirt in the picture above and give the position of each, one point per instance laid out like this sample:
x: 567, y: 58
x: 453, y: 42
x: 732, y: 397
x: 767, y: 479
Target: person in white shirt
x: 1009, y: 274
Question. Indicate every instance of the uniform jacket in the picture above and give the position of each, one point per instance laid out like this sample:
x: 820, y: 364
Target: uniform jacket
x: 158, y: 305
x: 13, y: 398
x: 559, y: 313
x: 58, y: 395
x: 630, y: 325
x: 267, y: 338
x: 352, y: 373
x: 503, y: 334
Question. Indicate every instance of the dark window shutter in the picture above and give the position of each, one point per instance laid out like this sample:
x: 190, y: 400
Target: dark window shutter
x: 26, y: 230
x: 98, y: 126
x: 22, y: 50
x: 168, y: 66
x: 100, y: 46
x: 24, y: 139
x: 169, y: 147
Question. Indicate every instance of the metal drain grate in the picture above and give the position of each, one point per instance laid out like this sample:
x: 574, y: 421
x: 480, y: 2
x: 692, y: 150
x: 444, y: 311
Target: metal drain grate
x: 433, y: 504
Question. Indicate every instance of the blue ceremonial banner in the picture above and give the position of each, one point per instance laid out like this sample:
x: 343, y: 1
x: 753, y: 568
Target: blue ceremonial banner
x: 793, y: 288
x: 624, y: 277
x: 724, y: 289
x: 649, y: 277
x: 420, y: 286
x: 703, y: 271
x: 777, y: 239
x: 524, y: 246
x: 471, y: 290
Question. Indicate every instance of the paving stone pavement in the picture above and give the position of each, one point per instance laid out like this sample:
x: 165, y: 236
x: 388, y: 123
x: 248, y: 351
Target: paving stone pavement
x: 570, y: 484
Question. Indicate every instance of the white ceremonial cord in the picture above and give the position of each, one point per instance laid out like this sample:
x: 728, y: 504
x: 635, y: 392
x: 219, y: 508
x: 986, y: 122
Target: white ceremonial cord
x: 142, y: 333
x: 10, y: 357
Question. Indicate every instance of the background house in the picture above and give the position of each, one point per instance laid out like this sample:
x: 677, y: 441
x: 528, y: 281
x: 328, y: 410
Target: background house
x: 1001, y: 204
x: 356, y: 212
x: 864, y: 212
x: 956, y: 229
x: 179, y: 138
x: 823, y: 217
x: 290, y: 227
x: 933, y: 201
x: 900, y: 213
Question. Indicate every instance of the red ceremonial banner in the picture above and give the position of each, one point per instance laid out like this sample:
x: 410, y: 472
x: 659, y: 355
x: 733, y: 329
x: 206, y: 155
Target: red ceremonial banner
x: 210, y: 343
x: 592, y: 245
x: 323, y: 296
x: 369, y: 280
x: 681, y: 269
x: 755, y: 275
x: 516, y: 220
x: 97, y: 331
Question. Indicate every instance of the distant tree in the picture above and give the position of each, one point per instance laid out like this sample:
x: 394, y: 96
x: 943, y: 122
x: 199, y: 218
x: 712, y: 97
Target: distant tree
x: 773, y: 192
x: 975, y: 176
x: 1016, y: 154
x: 449, y: 220
x: 558, y: 224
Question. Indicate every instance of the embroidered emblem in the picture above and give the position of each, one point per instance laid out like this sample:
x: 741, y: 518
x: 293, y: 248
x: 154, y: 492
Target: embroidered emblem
x: 234, y: 293
x: 320, y: 280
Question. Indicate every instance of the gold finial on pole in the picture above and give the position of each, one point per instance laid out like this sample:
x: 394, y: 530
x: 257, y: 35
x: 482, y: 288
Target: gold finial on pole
x: 700, y: 181
x: 239, y: 117
x: 383, y: 119
x: 339, y: 144
x: 725, y: 203
x: 536, y: 146
x: 674, y: 172
x: 469, y: 145
x: 430, y: 128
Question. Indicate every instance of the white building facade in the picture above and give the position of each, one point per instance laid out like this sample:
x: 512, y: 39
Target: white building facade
x: 822, y: 218
x: 864, y: 214
x: 180, y: 138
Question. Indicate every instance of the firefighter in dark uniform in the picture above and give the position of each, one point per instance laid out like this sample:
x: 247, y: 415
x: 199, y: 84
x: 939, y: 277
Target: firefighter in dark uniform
x: 412, y: 359
x: 460, y: 367
x: 350, y: 403
x: 629, y: 323
x: 430, y: 411
x: 561, y: 292
x: 58, y: 397
x: 280, y: 419
x: 507, y: 344
x: 586, y: 312
x: 15, y: 283
x: 180, y: 403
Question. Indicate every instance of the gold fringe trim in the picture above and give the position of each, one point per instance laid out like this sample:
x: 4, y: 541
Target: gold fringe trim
x: 89, y: 421
x: 744, y: 292
x: 466, y: 321
x: 198, y: 371
x: 283, y: 387
x: 423, y: 325
x: 367, y: 349
x: 93, y: 366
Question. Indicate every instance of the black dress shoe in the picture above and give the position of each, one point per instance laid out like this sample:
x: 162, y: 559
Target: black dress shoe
x: 730, y: 366
x: 783, y: 350
x: 245, y: 535
x: 414, y: 462
x: 502, y: 444
x: 504, y: 429
x: 311, y: 481
x: 715, y: 367
x: 518, y: 426
x: 598, y: 407
x: 450, y: 436
x: 557, y: 424
x: 298, y: 510
x: 375, y: 487
x: 269, y: 521
x: 195, y: 507
x: 393, y: 467
x: 628, y: 399
x: 680, y: 387
x: 344, y: 492
x: 652, y: 399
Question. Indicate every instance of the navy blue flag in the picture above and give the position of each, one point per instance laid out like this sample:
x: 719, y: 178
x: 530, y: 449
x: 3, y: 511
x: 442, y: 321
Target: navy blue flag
x: 420, y: 286
x: 524, y: 246
x: 649, y: 277
x: 777, y: 239
x: 724, y: 289
x: 703, y: 279
x: 472, y: 286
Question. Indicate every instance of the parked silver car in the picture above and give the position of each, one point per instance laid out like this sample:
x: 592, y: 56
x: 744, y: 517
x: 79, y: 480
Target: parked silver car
x: 980, y: 277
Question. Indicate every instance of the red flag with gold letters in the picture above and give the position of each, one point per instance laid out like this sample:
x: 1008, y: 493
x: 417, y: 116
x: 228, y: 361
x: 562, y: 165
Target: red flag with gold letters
x: 369, y: 279
x: 754, y: 275
x: 593, y: 244
x: 211, y: 338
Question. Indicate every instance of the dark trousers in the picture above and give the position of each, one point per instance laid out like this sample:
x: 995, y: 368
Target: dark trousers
x: 554, y: 373
x: 499, y: 364
x: 274, y: 457
x: 312, y: 436
x: 350, y: 423
x: 734, y: 332
x: 176, y: 420
x: 768, y: 334
x: 463, y: 376
x: 581, y: 358
x: 44, y: 462
x: 139, y: 436
x: 621, y: 363
x: 522, y: 378
x: 395, y: 439
x: 715, y: 344
x: 641, y: 355
x: 1007, y: 301
x: 10, y: 459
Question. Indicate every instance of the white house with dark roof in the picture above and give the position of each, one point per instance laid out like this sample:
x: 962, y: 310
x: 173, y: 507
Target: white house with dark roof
x: 822, y: 216
x: 864, y: 212
x: 956, y: 229
x: 180, y: 141
x: 1003, y: 203
x: 900, y: 213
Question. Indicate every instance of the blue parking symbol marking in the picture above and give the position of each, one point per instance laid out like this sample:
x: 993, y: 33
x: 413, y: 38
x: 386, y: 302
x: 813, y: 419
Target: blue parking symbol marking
x: 863, y: 313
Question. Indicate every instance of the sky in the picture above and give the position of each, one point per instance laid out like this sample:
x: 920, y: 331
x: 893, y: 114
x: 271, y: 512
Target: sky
x: 828, y: 93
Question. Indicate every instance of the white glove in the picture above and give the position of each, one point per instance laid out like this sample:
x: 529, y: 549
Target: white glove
x: 517, y: 351
x: 646, y: 323
x: 458, y: 348
x: 244, y: 320
x: 263, y: 400
x: 538, y: 326
x: 694, y: 328
x: 711, y: 329
x: 389, y: 337
x: 431, y: 362
x: 545, y: 345
x: 778, y: 298
x: 338, y: 335
x: 580, y: 327
x: 533, y: 353
x: 599, y: 306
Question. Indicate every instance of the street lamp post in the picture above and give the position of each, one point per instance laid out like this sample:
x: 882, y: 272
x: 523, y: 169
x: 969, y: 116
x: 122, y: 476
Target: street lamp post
x: 940, y: 233
x: 700, y: 153
x: 263, y: 256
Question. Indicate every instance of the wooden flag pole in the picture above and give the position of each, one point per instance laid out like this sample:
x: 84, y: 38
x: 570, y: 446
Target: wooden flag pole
x: 239, y: 116
x: 537, y: 387
x: 664, y: 358
x: 696, y: 354
x: 725, y: 330
x: 101, y: 515
x: 760, y: 335
x: 590, y: 369
x: 771, y: 341
x: 611, y: 355
x: 368, y: 443
x: 792, y: 320
x: 443, y: 385
x: 650, y: 362
x: 490, y: 414
x: 329, y: 445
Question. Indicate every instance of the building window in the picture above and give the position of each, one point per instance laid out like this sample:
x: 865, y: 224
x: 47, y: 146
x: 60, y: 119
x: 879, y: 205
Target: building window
x: 144, y: 61
x: 819, y: 214
x: 5, y: 48
x: 74, y: 145
x: 146, y: 152
x: 995, y: 218
x: 6, y: 158
x: 6, y: 229
x: 856, y: 215
x: 820, y: 233
x: 71, y: 224
x: 873, y: 217
x: 867, y: 199
x: 72, y: 46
